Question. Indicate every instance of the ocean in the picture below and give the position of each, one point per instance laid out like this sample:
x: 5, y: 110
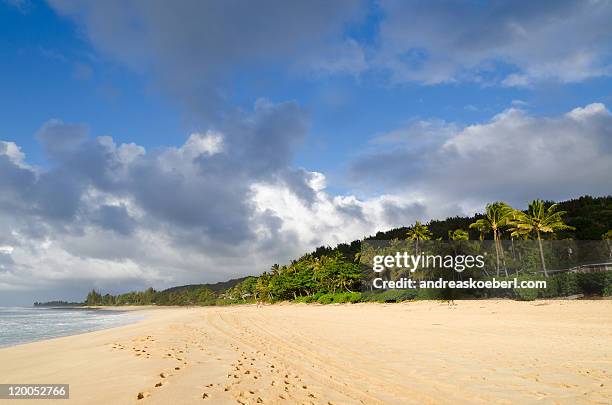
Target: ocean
x: 23, y: 325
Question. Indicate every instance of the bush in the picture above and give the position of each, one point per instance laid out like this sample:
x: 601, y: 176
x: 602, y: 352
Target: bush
x: 339, y: 298
x: 568, y: 284
x: 593, y: 283
x: 553, y: 287
x: 326, y: 299
x: 431, y: 294
x: 607, y: 291
x: 526, y: 294
x: 389, y: 296
x: 306, y: 299
x: 565, y: 284
x: 352, y: 297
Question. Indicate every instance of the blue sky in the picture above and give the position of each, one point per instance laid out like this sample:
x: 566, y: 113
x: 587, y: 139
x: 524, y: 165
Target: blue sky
x: 191, y: 131
x: 50, y: 70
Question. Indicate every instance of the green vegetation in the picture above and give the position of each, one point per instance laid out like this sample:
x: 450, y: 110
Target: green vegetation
x: 334, y: 275
x: 538, y: 219
x: 568, y: 284
x: 57, y: 304
x: 418, y: 232
x: 497, y: 215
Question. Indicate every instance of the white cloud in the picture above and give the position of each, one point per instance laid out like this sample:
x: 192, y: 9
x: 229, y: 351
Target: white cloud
x: 514, y: 157
x: 131, y: 218
x: 13, y: 152
x: 495, y: 42
x: 120, y: 217
x: 591, y: 110
x: 209, y: 143
x: 332, y: 219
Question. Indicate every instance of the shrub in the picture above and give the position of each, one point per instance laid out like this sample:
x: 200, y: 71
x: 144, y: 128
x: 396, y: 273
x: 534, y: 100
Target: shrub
x: 526, y: 294
x: 593, y: 283
x: 431, y: 294
x: 351, y: 297
x: 339, y: 298
x: 552, y: 287
x: 305, y: 299
x: 326, y: 299
x: 389, y: 296
x: 568, y: 284
x: 607, y: 291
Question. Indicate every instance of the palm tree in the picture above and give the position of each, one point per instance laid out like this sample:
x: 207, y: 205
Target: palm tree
x: 497, y: 215
x: 516, y: 233
x: 481, y: 227
x: 538, y: 219
x: 458, y: 234
x: 418, y: 232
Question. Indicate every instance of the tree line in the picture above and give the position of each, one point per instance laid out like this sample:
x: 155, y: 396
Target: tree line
x: 336, y: 275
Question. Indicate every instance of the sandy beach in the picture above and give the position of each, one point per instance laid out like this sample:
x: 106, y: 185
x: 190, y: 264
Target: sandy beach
x: 418, y: 352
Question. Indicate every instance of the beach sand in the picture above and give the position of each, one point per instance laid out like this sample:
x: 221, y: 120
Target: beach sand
x: 417, y: 352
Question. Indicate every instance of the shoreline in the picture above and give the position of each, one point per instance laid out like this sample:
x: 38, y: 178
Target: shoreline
x: 78, y: 332
x: 149, y: 310
x: 412, y: 352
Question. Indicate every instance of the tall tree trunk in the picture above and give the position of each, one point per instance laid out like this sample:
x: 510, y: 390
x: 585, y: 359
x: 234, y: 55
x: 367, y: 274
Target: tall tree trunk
x: 503, y: 256
x: 542, y: 254
x: 496, y: 251
x: 520, y: 255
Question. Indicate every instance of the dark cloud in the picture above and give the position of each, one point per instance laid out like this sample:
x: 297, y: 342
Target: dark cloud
x: 351, y: 210
x: 14, y: 182
x: 191, y: 47
x: 6, y: 261
x: 299, y: 182
x: 169, y: 215
x: 61, y: 140
x: 114, y: 218
x: 508, y: 42
x: 404, y: 213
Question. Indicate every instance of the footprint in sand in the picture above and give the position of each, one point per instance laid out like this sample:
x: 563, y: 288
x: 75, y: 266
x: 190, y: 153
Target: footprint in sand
x: 143, y: 395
